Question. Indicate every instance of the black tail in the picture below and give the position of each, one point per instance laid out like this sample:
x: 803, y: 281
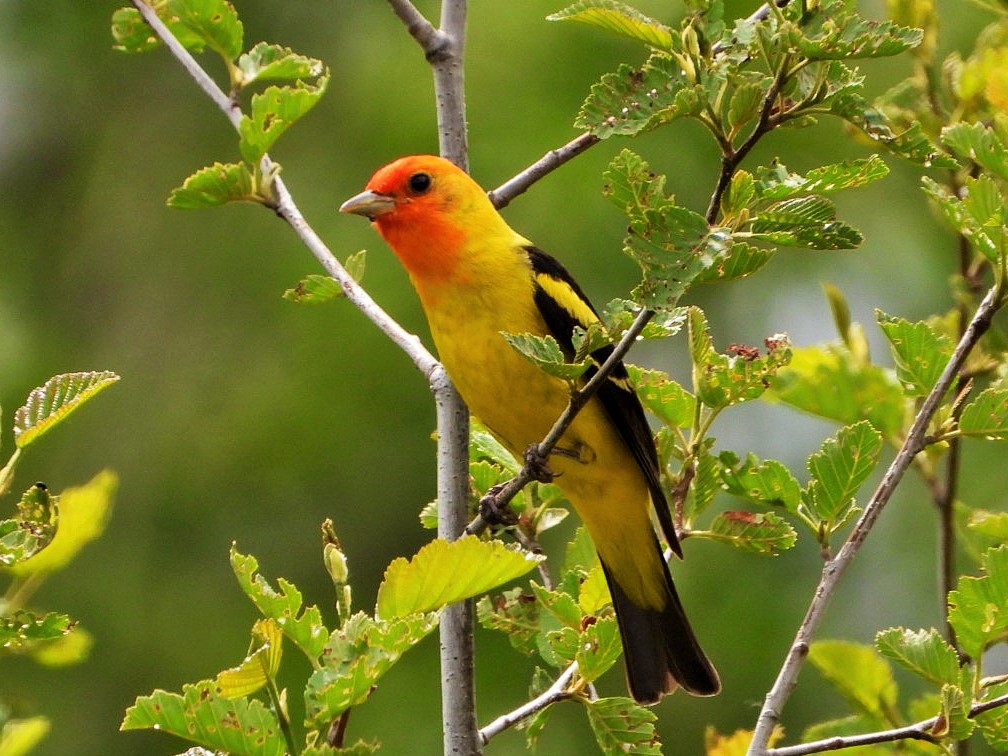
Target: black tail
x: 659, y: 648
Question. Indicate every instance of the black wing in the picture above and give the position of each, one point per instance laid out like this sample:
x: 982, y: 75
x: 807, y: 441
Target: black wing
x: 617, y: 396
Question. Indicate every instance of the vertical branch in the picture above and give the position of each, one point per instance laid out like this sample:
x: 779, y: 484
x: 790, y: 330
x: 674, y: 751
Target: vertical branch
x: 443, y: 48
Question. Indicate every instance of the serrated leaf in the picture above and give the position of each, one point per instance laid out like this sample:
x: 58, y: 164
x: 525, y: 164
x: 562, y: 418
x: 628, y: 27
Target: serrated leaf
x: 954, y: 721
x: 215, y: 21
x: 593, y: 591
x: 630, y: 100
x: 859, y: 674
x: 442, y: 573
x: 563, y: 607
x: 515, y: 613
x: 303, y: 625
x: 356, y: 656
x: 83, y: 514
x: 828, y: 381
x: 978, y: 607
x: 483, y: 445
x: 216, y: 185
x: 662, y: 396
x: 758, y: 532
x: 260, y: 666
x: 599, y: 648
x: 705, y: 486
x: 721, y: 380
x: 993, y: 724
x: 911, y: 144
x: 978, y: 215
x: 66, y: 650
x: 744, y: 105
x: 274, y: 62
x: 545, y: 353
x: 979, y: 143
x: 131, y: 33
x: 919, y: 352
x: 766, y: 482
x: 22, y: 628
x: 834, y: 33
x: 839, y: 467
x: 808, y: 222
x: 51, y: 403
x: 273, y: 111
x: 623, y: 726
x: 740, y: 260
x: 987, y: 415
x: 237, y: 726
x: 619, y: 18
x: 923, y: 652
x: 33, y: 529
x: 778, y: 183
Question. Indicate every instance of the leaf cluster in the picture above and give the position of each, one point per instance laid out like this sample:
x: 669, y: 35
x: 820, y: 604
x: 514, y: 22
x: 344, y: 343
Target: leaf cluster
x: 45, y: 533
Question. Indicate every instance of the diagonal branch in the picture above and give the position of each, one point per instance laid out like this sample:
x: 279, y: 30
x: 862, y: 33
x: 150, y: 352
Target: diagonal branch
x: 503, y: 194
x: 834, y: 569
x: 286, y: 208
x: 558, y: 691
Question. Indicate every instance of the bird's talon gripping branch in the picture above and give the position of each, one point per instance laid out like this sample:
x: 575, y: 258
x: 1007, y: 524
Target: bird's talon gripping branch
x: 537, y: 466
x: 495, y: 512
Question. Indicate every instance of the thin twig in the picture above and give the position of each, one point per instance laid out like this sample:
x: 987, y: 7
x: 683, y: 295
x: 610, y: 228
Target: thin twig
x: 286, y: 208
x: 578, y: 399
x: 834, y: 569
x: 558, y: 691
x: 918, y: 731
x: 503, y: 194
x: 423, y: 31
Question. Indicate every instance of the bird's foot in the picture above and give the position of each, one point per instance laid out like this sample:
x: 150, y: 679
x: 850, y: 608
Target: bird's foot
x: 535, y: 463
x: 495, y: 512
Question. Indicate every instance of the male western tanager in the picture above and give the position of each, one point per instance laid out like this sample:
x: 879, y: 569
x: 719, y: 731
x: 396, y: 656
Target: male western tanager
x: 476, y: 277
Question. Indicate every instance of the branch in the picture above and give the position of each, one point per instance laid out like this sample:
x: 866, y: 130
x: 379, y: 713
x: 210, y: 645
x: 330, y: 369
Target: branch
x: 918, y: 731
x: 498, y: 498
x: 286, y: 208
x: 556, y: 692
x: 503, y: 194
x: 834, y: 569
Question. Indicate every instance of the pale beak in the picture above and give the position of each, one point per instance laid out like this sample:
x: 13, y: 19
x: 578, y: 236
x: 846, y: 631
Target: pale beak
x: 369, y: 204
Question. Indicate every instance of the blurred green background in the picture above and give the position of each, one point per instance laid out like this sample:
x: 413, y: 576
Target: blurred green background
x: 243, y: 417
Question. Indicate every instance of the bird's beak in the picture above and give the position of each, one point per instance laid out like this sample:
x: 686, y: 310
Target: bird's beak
x: 369, y: 204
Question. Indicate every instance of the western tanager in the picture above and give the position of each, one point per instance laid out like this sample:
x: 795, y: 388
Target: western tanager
x: 476, y: 277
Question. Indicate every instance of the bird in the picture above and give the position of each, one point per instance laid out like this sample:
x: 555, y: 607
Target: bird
x: 476, y: 277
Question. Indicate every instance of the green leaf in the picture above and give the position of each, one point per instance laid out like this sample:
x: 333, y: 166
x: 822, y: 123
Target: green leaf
x: 259, y: 667
x: 599, y: 648
x: 483, y: 445
x: 830, y: 382
x: 664, y: 397
x: 630, y: 100
x: 303, y: 626
x: 619, y: 18
x: 314, y: 288
x: 808, y: 222
x: 834, y: 33
x: 859, y: 674
x: 987, y: 415
x: 955, y: 721
x: 672, y: 244
x: 979, y: 216
x: 83, y: 514
x: 978, y: 608
x: 993, y: 724
x: 759, y: 532
x: 919, y: 352
x: 32, y: 530
x: 721, y: 380
x: 215, y: 21
x: 19, y: 736
x: 979, y: 143
x: 911, y: 144
x: 22, y: 628
x: 515, y: 612
x: 273, y: 111
x: 49, y: 404
x: 200, y: 715
x: 216, y: 185
x: 545, y: 353
x: 766, y: 482
x: 356, y: 656
x: 623, y: 726
x: 838, y: 469
x: 131, y: 33
x: 740, y: 260
x: 276, y: 63
x: 923, y: 652
x: 778, y: 183
x: 745, y: 105
x: 442, y: 573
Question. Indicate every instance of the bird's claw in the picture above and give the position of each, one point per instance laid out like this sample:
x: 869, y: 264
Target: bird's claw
x: 494, y: 512
x: 536, y: 465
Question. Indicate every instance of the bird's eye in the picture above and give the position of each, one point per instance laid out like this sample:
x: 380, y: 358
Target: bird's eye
x: 419, y: 183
